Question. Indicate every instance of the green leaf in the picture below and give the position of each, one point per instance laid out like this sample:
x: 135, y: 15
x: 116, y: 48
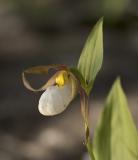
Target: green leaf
x: 78, y: 75
x: 92, y: 55
x: 116, y: 137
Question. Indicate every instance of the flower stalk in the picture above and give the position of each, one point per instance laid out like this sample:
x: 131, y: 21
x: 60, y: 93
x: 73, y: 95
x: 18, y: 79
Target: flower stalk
x: 85, y: 115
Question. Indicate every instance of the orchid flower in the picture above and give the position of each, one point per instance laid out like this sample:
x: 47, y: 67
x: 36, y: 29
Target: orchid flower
x: 67, y: 82
x: 59, y: 90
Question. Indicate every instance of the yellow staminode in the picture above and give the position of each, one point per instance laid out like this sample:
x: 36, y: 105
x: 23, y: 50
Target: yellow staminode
x: 62, y: 78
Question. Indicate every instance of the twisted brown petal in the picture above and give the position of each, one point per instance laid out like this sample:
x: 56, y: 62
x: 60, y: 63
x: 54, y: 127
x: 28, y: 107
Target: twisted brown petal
x: 41, y: 70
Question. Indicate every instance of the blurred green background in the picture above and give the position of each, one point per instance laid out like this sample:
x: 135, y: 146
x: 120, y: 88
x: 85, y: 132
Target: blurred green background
x: 41, y: 32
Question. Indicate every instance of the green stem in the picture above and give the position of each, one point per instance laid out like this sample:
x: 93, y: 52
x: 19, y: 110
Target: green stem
x: 89, y: 149
x: 85, y: 114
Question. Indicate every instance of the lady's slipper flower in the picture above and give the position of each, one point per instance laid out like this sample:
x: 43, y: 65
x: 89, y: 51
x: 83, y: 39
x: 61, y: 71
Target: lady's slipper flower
x: 62, y: 87
x: 59, y: 91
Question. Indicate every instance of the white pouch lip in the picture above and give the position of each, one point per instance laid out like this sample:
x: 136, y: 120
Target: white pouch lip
x: 55, y: 99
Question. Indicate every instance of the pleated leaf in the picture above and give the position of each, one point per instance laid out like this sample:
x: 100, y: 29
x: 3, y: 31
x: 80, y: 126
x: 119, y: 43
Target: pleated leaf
x: 92, y: 55
x: 116, y: 137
